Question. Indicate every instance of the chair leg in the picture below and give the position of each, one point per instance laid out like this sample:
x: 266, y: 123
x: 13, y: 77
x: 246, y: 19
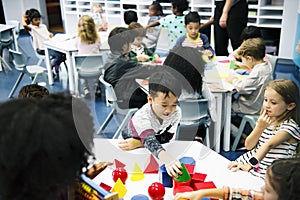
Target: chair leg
x: 45, y: 78
x: 238, y: 135
x: 104, y: 124
x: 207, y: 138
x: 16, y: 85
x: 122, y: 125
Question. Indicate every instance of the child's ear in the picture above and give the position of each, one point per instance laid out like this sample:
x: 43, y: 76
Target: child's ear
x: 291, y: 106
x: 150, y: 99
x: 185, y: 26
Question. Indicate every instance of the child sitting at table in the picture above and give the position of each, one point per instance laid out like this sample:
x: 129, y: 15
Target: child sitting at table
x: 139, y: 51
x: 281, y: 183
x: 277, y: 132
x: 249, y: 90
x: 193, y: 73
x: 193, y: 38
x: 152, y: 34
x: 121, y: 71
x: 88, y: 42
x: 156, y: 122
x: 39, y: 32
x: 97, y: 14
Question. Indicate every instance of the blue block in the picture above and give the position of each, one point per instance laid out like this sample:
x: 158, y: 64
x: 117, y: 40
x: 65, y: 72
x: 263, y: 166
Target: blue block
x: 139, y: 197
x: 187, y: 160
x: 164, y: 177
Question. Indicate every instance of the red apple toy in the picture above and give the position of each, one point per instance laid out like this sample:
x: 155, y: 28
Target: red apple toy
x: 156, y: 191
x: 120, y: 173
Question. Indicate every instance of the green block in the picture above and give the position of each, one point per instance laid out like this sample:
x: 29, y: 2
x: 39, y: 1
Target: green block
x: 185, y: 176
x: 233, y: 66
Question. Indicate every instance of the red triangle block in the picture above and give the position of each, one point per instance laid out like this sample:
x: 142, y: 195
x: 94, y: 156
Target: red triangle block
x: 152, y: 166
x: 119, y: 164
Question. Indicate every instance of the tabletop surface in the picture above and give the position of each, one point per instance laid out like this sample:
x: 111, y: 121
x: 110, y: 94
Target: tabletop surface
x: 207, y: 162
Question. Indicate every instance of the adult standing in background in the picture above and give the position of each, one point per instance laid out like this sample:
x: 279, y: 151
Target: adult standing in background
x: 230, y: 19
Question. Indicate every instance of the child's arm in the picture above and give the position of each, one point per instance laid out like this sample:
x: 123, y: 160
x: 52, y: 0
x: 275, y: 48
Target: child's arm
x: 206, y: 45
x: 208, y: 23
x: 263, y: 122
x: 274, y: 141
x: 26, y: 22
x: 152, y: 24
x: 104, y: 25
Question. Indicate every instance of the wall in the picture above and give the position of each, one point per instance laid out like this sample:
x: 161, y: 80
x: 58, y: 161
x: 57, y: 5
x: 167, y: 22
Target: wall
x: 297, y: 41
x: 289, y: 26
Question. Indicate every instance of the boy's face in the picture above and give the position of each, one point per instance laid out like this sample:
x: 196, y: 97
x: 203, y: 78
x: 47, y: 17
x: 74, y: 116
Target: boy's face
x: 163, y: 106
x: 192, y: 29
x: 138, y: 41
x: 36, y: 21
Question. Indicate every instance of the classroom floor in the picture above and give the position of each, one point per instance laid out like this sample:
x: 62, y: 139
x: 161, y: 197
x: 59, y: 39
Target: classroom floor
x: 97, y: 105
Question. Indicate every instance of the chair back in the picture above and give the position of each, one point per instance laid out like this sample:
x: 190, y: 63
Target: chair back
x: 18, y: 60
x: 193, y: 111
x: 89, y: 65
x: 16, y: 24
x: 6, y: 37
x: 111, y: 96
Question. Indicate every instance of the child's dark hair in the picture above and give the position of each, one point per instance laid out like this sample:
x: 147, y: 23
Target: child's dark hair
x: 33, y: 91
x: 130, y: 16
x: 138, y: 29
x: 158, y: 8
x: 250, y: 32
x: 181, y: 5
x: 118, y: 37
x: 33, y: 13
x: 164, y: 82
x: 284, y: 175
x: 192, y: 16
x: 189, y: 66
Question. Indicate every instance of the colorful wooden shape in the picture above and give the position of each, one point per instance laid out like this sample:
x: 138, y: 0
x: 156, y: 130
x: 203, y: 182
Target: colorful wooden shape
x: 178, y: 184
x: 164, y: 177
x: 120, y: 173
x: 139, y: 197
x: 203, y: 185
x: 137, y: 173
x: 198, y: 177
x: 119, y: 164
x: 152, y: 165
x: 120, y: 188
x: 185, y: 176
x: 190, y: 168
x: 182, y: 189
x: 105, y: 186
x: 156, y: 191
x: 187, y: 160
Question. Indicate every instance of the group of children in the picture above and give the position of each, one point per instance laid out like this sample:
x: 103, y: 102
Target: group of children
x: 276, y: 134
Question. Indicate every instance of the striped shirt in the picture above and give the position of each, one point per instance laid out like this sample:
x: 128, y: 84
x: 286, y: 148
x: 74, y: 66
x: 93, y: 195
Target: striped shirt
x: 284, y: 150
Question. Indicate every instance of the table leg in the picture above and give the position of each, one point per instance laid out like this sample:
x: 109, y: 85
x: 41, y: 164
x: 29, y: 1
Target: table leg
x: 70, y: 72
x: 218, y: 123
x: 227, y: 122
x: 48, y: 65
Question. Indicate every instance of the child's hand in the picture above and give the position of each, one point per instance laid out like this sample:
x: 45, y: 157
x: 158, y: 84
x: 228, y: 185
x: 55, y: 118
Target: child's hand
x: 156, y: 57
x: 51, y: 35
x: 264, y: 120
x: 130, y: 144
x: 142, y: 58
x: 207, y: 52
x: 97, y: 169
x: 236, y: 166
x: 195, y: 195
x: 173, y: 168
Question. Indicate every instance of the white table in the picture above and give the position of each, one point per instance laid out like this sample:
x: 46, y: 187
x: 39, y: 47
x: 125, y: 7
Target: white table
x: 207, y: 162
x: 65, y: 43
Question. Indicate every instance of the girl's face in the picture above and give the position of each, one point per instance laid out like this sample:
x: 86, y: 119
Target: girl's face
x: 152, y: 11
x: 163, y: 106
x: 274, y: 105
x: 268, y: 190
x: 138, y: 41
x: 36, y: 21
